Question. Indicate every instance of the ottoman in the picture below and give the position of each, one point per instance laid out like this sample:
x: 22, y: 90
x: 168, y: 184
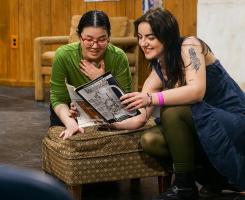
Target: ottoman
x: 99, y: 156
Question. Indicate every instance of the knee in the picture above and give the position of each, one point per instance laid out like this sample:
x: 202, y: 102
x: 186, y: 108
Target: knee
x: 153, y: 143
x: 147, y: 141
x: 170, y: 116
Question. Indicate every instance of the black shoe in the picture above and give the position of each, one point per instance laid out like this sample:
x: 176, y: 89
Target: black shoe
x: 175, y: 193
x: 216, y: 192
x: 209, y: 193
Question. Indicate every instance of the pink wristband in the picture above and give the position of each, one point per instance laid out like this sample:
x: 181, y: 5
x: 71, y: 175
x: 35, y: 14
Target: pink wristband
x: 160, y: 98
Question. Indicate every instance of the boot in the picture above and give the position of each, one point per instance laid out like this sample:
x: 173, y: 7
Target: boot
x: 213, y: 183
x: 183, y: 188
x: 210, y: 192
x: 207, y: 192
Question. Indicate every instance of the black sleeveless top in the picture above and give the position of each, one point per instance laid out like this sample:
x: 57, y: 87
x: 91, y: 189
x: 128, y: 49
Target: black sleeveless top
x: 220, y: 122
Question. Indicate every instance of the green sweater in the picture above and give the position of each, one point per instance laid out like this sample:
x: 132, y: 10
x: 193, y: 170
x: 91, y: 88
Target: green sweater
x: 66, y: 66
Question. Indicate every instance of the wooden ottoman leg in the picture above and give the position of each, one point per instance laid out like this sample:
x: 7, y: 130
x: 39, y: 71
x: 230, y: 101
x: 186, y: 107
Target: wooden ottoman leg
x: 76, y: 191
x: 164, y: 182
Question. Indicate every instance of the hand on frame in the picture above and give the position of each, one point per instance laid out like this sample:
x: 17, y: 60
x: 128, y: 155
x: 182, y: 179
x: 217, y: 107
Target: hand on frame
x: 135, y: 100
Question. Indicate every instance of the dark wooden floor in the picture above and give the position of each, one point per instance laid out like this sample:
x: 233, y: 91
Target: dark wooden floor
x: 23, y: 124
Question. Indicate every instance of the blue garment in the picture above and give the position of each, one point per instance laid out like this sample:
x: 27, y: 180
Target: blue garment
x: 220, y: 123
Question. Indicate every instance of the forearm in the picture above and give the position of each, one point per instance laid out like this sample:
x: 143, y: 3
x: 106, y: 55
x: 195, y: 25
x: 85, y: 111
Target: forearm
x: 129, y: 124
x: 179, y: 96
x: 135, y: 122
x: 62, y: 111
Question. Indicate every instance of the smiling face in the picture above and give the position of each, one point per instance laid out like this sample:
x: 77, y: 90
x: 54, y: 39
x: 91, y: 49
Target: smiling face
x: 148, y: 42
x: 94, y: 41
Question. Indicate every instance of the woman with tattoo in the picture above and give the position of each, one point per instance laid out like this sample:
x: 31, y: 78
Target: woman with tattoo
x: 202, y: 108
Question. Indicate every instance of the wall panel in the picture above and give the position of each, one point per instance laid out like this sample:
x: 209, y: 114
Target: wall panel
x: 28, y: 19
x: 77, y: 7
x: 189, y: 18
x: 60, y: 17
x: 24, y: 74
x: 44, y: 17
x: 185, y: 12
x: 121, y: 7
x: 110, y: 8
x: 4, y: 32
x: 91, y: 6
x: 14, y: 55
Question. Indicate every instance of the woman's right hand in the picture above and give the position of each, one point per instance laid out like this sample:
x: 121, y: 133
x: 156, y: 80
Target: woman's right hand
x: 72, y: 129
x: 63, y: 112
x: 92, y: 71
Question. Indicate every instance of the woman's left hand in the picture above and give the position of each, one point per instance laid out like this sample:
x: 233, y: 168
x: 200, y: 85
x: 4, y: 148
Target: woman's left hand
x: 92, y: 71
x: 135, y: 100
x: 73, y: 110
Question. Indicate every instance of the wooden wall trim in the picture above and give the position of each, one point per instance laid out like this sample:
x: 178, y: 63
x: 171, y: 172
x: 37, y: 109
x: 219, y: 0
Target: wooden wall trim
x: 28, y: 19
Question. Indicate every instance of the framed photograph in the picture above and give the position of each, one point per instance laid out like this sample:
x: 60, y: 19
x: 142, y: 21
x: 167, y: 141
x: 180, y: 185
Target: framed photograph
x: 148, y: 4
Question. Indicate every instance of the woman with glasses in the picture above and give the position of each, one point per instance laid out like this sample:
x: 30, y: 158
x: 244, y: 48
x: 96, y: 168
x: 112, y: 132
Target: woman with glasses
x: 202, y: 108
x: 83, y: 61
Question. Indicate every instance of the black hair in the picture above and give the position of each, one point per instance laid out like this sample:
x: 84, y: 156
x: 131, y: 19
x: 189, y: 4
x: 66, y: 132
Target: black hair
x: 166, y: 29
x: 94, y: 18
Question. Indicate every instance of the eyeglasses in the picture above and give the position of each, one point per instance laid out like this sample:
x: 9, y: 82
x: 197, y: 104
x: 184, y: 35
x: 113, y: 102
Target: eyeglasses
x: 89, y: 42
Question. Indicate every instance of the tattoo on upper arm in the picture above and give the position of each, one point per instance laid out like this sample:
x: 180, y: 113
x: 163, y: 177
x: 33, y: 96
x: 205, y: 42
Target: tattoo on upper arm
x: 194, y: 59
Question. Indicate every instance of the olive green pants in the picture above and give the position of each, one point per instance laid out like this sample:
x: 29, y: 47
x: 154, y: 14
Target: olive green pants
x: 175, y: 138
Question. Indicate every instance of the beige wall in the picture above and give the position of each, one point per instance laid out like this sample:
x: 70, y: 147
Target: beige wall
x: 224, y: 32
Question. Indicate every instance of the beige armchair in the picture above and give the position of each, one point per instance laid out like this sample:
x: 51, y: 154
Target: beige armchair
x: 122, y: 35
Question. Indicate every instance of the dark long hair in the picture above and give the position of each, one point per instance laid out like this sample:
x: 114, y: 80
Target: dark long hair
x: 166, y: 29
x: 94, y: 18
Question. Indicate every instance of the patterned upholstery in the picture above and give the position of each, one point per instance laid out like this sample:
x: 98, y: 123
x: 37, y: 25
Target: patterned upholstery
x: 98, y: 156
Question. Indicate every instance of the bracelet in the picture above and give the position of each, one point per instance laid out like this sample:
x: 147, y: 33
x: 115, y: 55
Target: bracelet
x: 149, y: 99
x: 160, y: 98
